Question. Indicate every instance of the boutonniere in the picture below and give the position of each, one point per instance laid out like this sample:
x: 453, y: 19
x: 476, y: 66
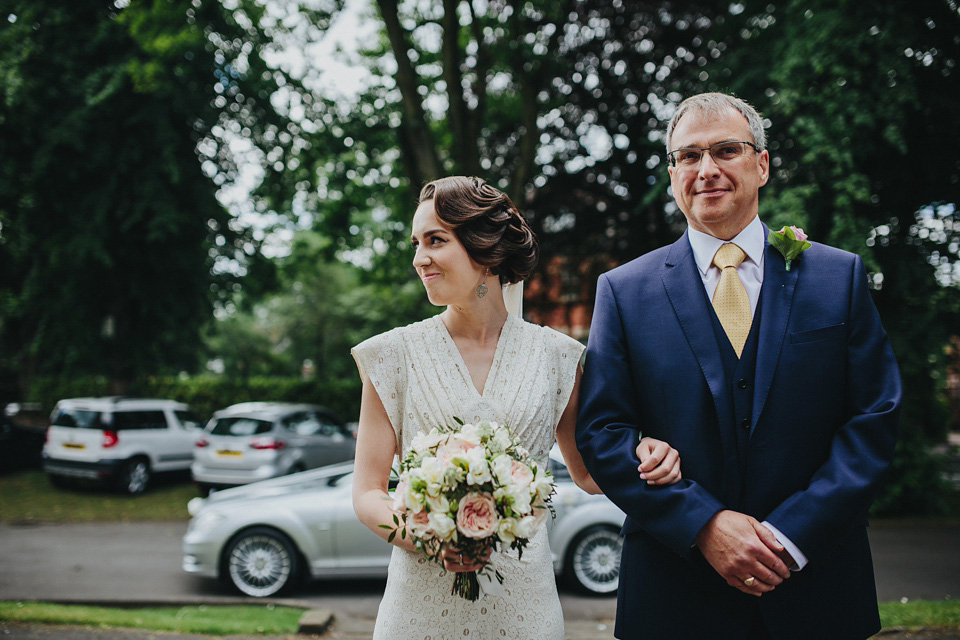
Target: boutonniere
x: 790, y: 241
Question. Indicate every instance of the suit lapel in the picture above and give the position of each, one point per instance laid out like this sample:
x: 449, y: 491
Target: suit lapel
x: 684, y: 288
x: 776, y: 296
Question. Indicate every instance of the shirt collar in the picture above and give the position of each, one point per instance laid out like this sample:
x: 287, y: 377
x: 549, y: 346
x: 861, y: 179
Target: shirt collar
x: 705, y: 246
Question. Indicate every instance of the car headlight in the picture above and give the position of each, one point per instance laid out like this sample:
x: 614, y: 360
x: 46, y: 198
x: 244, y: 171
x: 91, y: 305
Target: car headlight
x: 205, y: 522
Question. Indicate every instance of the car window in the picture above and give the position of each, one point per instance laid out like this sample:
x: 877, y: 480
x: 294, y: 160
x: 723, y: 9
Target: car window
x: 302, y: 424
x: 129, y: 420
x: 188, y: 420
x: 330, y: 426
x: 238, y: 426
x: 79, y: 418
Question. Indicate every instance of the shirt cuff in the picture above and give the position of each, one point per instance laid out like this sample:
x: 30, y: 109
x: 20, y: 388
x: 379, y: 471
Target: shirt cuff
x: 792, y: 549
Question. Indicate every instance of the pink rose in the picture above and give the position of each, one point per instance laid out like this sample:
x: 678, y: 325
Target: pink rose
x: 419, y: 523
x: 520, y: 474
x: 454, y: 446
x: 477, y: 516
x: 798, y: 232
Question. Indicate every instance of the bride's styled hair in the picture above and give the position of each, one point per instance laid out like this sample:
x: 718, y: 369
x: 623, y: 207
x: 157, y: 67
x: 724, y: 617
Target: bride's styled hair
x: 488, y: 225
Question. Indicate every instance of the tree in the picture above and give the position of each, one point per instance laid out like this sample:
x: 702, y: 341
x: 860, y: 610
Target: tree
x: 863, y: 136
x: 117, y: 123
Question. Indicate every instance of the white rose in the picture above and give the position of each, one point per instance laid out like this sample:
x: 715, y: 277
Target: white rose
x: 432, y: 471
x: 501, y: 467
x: 519, y: 498
x: 478, y: 470
x: 525, y: 527
x: 506, y: 529
x: 438, y: 504
x: 442, y: 524
x: 424, y: 441
x: 542, y: 484
x: 501, y: 439
x: 470, y: 433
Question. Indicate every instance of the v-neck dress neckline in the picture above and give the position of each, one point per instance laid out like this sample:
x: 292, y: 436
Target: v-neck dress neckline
x: 456, y: 358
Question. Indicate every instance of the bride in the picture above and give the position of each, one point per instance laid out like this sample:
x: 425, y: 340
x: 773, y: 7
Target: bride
x: 474, y: 361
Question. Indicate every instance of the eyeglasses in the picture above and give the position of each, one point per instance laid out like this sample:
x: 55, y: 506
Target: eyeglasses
x: 690, y: 157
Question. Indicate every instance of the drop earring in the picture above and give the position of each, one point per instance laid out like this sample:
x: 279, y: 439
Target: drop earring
x: 482, y: 287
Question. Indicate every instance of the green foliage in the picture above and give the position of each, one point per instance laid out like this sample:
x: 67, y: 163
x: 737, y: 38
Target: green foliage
x: 915, y: 485
x: 208, y: 393
x: 858, y: 95
x: 113, y: 246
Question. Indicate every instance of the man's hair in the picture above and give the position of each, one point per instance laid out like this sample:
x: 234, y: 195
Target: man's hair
x: 716, y: 104
x: 487, y: 223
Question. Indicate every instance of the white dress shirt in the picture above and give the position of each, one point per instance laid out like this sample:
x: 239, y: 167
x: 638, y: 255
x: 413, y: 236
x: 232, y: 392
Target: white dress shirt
x: 750, y: 271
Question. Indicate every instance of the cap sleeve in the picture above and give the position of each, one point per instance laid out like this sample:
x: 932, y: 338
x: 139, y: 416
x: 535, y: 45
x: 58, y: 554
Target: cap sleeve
x: 381, y: 358
x: 566, y: 353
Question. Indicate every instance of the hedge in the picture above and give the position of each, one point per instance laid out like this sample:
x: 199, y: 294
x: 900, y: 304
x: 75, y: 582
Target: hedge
x: 206, y: 394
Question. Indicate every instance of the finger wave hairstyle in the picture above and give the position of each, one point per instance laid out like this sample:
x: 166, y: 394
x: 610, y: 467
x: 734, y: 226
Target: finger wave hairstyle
x: 488, y: 225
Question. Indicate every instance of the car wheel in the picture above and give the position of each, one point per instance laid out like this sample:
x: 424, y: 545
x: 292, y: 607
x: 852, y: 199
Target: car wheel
x: 261, y: 562
x: 134, y: 476
x: 593, y: 560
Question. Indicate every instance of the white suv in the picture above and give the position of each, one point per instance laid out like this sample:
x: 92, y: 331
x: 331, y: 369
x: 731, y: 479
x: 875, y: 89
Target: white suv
x: 118, y: 440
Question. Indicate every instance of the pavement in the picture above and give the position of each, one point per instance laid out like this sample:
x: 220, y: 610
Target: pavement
x: 92, y: 564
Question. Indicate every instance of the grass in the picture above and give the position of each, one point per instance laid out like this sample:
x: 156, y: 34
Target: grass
x: 920, y: 613
x: 28, y: 497
x: 265, y: 619
x: 270, y: 619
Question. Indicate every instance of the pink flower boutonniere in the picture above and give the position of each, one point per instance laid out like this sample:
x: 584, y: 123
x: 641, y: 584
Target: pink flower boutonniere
x: 790, y: 241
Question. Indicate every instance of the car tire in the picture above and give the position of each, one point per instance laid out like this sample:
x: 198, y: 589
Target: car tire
x: 261, y: 562
x: 134, y: 476
x: 593, y: 560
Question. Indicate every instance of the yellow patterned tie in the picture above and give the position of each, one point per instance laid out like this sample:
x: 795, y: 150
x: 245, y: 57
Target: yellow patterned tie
x: 730, y: 300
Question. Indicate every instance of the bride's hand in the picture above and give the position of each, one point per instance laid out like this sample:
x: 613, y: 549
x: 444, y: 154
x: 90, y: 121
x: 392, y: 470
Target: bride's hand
x: 659, y: 462
x: 456, y: 561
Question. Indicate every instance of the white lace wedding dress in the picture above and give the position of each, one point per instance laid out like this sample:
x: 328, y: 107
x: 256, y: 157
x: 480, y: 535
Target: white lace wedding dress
x: 422, y: 381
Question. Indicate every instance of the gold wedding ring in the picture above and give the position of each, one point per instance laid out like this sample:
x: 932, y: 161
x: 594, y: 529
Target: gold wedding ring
x: 750, y: 581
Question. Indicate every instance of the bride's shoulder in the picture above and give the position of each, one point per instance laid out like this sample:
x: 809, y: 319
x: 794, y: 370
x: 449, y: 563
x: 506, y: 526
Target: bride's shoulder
x: 555, y: 340
x: 398, y: 335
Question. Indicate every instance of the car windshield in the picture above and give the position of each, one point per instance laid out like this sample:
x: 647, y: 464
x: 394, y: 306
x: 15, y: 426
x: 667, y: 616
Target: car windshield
x: 237, y: 426
x: 79, y: 418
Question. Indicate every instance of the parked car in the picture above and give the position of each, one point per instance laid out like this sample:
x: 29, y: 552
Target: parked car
x: 265, y: 537
x: 255, y: 441
x: 21, y: 439
x: 122, y: 441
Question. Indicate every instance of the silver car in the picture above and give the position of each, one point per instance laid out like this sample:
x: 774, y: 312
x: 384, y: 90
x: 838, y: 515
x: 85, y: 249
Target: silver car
x: 264, y: 538
x: 255, y: 441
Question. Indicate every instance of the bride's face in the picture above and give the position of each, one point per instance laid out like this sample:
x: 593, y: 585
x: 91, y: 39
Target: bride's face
x: 447, y: 271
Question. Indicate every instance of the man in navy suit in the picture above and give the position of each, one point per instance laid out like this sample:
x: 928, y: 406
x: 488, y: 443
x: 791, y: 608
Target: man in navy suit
x: 784, y: 416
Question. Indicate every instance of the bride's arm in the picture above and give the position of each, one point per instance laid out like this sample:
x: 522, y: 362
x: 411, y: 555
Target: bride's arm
x: 376, y: 446
x: 566, y: 434
x: 659, y: 462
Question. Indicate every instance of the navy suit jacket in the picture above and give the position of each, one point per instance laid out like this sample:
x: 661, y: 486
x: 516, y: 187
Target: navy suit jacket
x: 826, y: 399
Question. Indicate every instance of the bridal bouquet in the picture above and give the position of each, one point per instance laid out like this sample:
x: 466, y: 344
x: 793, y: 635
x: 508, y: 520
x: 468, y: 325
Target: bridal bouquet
x: 472, y: 488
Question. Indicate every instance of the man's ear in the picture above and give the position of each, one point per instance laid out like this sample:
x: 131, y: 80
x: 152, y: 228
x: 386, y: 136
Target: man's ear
x: 763, y: 165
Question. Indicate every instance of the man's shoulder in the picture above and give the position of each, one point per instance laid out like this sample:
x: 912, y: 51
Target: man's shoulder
x: 826, y: 256
x: 646, y: 265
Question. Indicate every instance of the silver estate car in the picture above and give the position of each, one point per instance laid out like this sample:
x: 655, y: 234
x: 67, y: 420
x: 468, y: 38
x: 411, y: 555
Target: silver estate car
x: 265, y: 537
x: 260, y: 440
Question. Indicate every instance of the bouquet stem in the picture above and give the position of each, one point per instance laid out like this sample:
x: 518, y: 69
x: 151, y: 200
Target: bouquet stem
x: 466, y: 585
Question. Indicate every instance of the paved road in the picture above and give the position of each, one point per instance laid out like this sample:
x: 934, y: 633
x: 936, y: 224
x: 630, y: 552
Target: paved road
x: 141, y: 562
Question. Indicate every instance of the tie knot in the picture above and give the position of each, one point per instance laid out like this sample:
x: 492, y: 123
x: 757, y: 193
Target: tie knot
x: 728, y: 255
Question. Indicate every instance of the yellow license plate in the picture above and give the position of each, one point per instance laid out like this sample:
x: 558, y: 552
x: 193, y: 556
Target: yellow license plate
x: 229, y: 453
x: 71, y: 445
